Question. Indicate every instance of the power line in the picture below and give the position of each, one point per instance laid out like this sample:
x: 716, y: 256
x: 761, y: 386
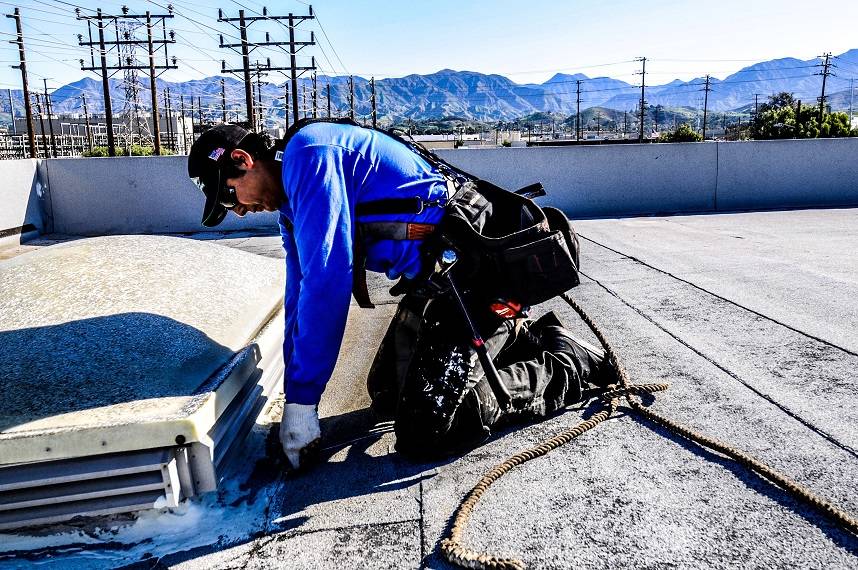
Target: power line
x: 324, y: 33
x: 288, y: 27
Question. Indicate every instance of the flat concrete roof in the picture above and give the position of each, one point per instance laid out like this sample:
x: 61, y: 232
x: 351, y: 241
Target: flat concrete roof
x: 751, y: 317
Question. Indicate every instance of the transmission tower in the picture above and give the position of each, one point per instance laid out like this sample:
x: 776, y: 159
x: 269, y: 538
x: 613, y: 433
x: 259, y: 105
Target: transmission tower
x: 131, y: 85
x: 102, y: 24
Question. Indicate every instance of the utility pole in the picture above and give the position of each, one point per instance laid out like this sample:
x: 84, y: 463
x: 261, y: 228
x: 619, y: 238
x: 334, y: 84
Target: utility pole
x: 315, y: 98
x: 247, y: 47
x: 286, y: 98
x: 294, y: 48
x: 261, y: 123
x: 184, y: 133
x: 131, y: 63
x: 851, y: 95
x: 304, y: 99
x: 156, y: 122
x: 756, y: 104
x: 578, y: 110
x: 105, y: 85
x: 193, y: 127
x: 169, y: 120
x: 656, y: 117
x: 50, y: 118
x: 329, y: 100
x: 223, y: 99
x: 28, y: 109
x: 351, y: 97
x: 245, y: 60
x: 372, y: 101
x: 259, y: 74
x: 826, y: 71
x: 12, y: 112
x: 261, y: 111
x: 797, y: 117
x: 86, y: 118
x: 706, y: 90
x: 643, y: 99
x: 42, y: 124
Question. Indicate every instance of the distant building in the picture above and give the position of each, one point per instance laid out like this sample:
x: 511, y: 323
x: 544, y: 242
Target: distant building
x: 70, y: 131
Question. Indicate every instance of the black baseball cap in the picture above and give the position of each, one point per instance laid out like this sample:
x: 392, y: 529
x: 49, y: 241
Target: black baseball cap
x: 206, y: 160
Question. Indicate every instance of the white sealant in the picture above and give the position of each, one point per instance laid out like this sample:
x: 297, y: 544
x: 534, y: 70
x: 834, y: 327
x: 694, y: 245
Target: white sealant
x: 221, y: 518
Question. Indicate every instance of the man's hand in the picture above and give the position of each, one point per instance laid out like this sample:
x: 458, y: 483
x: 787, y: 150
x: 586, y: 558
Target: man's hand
x: 299, y: 432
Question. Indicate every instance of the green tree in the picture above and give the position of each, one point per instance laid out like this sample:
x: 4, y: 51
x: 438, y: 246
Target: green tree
x: 683, y: 133
x: 784, y: 117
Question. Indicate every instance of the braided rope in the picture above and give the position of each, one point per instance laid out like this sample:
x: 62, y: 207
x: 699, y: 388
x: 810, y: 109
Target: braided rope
x: 451, y: 546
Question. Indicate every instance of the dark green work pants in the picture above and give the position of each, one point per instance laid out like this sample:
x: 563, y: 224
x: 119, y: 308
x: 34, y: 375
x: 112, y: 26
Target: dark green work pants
x: 427, y: 375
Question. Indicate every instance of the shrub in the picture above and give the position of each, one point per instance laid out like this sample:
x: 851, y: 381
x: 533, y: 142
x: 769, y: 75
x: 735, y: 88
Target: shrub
x: 136, y: 150
x: 96, y: 151
x: 683, y: 133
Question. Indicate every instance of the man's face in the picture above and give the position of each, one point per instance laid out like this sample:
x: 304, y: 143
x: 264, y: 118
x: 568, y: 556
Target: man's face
x: 257, y: 190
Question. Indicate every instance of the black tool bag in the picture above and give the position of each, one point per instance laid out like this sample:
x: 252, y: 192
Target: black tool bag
x: 509, y: 247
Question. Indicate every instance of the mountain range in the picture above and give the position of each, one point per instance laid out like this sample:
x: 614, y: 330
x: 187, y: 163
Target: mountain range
x: 471, y: 95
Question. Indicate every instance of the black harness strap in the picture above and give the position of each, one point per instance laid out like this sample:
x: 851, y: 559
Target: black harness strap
x: 414, y: 205
x: 359, y: 289
x: 387, y: 230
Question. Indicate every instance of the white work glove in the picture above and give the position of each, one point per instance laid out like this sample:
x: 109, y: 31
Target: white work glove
x: 299, y: 432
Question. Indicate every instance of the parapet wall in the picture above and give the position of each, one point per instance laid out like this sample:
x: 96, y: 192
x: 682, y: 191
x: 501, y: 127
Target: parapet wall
x: 21, y: 210
x: 131, y: 195
x: 128, y: 195
x: 621, y: 180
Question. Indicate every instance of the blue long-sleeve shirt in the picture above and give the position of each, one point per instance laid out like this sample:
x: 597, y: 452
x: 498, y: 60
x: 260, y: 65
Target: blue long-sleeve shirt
x: 328, y: 169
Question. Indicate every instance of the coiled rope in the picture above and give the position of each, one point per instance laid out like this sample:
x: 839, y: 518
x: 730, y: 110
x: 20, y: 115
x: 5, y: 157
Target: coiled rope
x: 455, y: 552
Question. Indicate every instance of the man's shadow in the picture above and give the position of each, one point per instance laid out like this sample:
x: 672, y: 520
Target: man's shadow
x: 363, y: 471
x: 357, y: 459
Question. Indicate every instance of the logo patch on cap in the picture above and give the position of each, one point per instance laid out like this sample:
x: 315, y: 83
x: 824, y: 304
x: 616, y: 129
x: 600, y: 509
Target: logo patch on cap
x: 216, y: 153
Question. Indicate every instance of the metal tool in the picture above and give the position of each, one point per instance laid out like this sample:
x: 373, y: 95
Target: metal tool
x: 448, y: 258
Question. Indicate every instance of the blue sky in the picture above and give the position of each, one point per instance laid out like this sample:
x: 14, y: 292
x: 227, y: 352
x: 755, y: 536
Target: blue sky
x: 526, y: 41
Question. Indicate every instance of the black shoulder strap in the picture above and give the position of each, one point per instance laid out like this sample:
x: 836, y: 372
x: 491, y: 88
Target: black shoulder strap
x: 290, y: 132
x: 451, y: 172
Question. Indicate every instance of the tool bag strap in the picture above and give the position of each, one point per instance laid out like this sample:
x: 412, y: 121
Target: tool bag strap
x: 360, y: 291
x: 450, y: 172
x: 414, y: 205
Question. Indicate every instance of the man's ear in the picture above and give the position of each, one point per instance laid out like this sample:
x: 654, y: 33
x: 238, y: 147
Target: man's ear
x: 241, y: 159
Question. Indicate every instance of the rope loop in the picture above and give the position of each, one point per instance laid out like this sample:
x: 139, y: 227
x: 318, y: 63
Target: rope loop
x: 451, y: 547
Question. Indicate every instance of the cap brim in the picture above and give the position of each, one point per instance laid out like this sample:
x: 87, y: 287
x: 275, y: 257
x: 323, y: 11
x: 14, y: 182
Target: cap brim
x: 213, y: 211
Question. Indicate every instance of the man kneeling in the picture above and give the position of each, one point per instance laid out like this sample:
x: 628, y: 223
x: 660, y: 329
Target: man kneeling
x: 352, y: 199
